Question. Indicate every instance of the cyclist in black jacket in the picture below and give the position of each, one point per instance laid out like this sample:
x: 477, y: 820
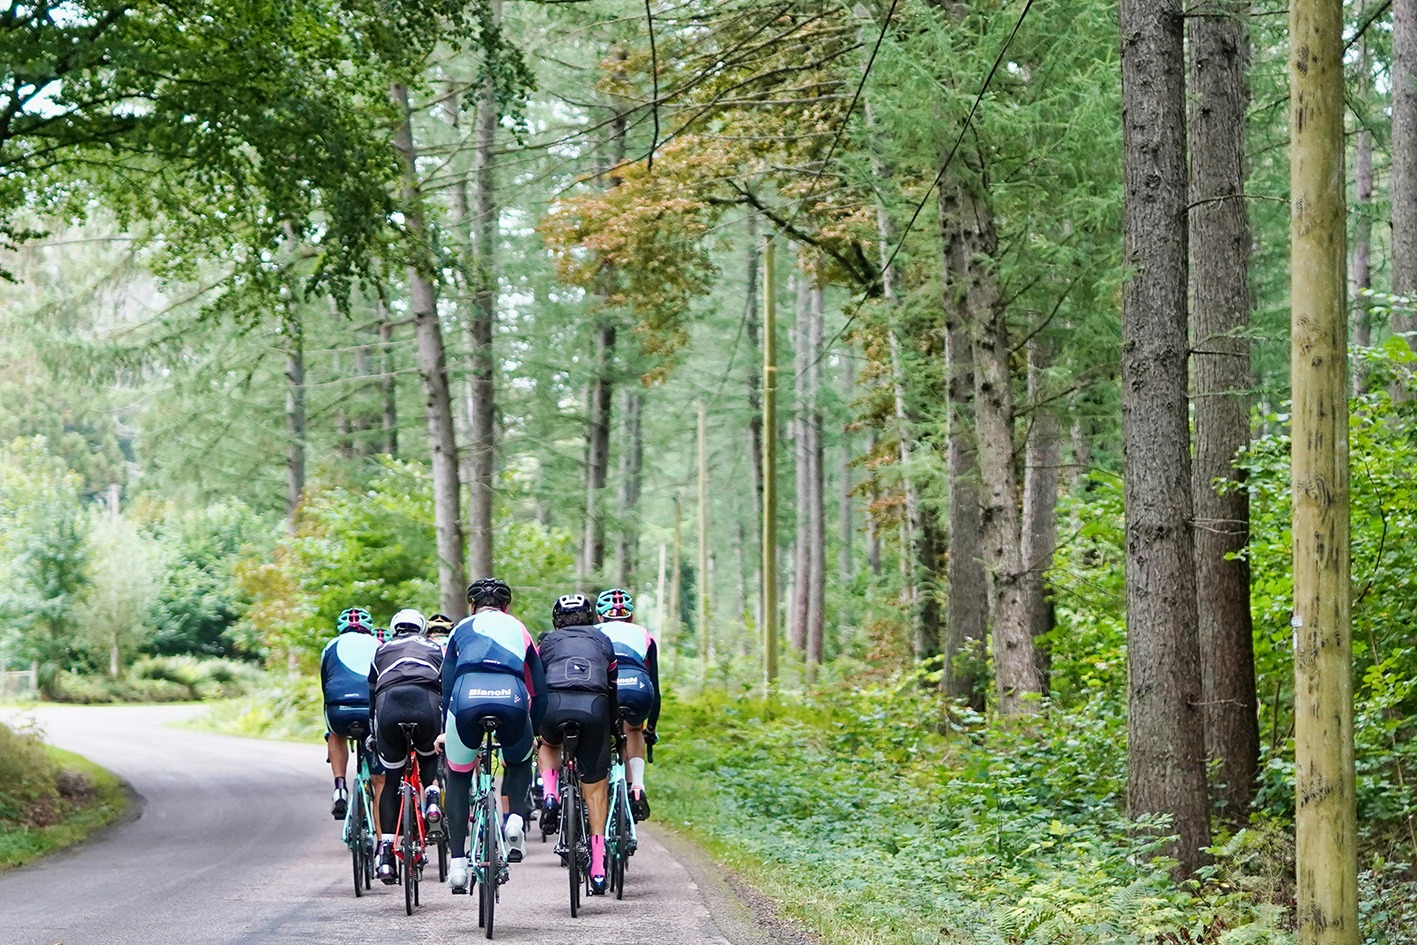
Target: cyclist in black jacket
x: 581, y: 686
x: 405, y: 684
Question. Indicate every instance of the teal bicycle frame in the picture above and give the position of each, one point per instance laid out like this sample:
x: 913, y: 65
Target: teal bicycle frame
x: 358, y: 832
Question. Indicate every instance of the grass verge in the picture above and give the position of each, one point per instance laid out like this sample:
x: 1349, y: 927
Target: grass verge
x: 89, y: 798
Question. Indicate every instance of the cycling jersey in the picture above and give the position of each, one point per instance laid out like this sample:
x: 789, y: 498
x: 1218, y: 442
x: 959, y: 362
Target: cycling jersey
x: 579, y: 658
x: 637, y: 655
x: 344, y: 668
x: 406, y: 660
x: 494, y: 642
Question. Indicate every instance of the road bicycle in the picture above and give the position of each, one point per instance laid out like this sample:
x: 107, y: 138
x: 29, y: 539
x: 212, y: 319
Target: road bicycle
x: 573, y: 844
x: 489, y: 846
x: 359, y: 818
x: 412, y: 833
x: 621, y: 839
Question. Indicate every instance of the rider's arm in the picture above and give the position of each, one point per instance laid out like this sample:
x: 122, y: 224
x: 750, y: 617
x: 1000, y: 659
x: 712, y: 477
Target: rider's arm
x: 652, y: 667
x: 536, y: 685
x: 450, y: 666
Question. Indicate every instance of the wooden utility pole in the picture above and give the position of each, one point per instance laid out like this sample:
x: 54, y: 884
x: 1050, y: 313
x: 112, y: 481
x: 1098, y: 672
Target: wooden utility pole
x: 704, y: 635
x: 769, y: 568
x: 1325, y: 821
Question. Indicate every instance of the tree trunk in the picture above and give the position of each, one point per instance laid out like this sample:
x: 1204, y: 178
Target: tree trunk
x: 388, y: 382
x: 1040, y: 500
x: 1362, y: 279
x: 1165, y: 748
x: 482, y: 379
x: 971, y: 288
x: 844, y: 519
x: 753, y: 329
x: 1219, y: 295
x: 294, y: 414
x: 801, y: 576
x: 432, y: 367
x: 602, y: 385
x: 631, y: 466
x: 363, y: 420
x: 597, y: 454
x: 1325, y: 819
x: 816, y: 510
x: 1404, y: 163
x: 873, y: 534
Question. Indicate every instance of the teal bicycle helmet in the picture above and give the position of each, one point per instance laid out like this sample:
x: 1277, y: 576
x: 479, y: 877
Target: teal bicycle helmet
x: 615, y: 604
x: 356, y: 619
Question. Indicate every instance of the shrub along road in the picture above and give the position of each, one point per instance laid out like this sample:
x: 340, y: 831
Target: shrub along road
x: 232, y: 842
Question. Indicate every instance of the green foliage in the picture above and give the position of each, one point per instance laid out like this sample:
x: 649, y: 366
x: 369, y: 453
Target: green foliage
x: 43, y: 557
x: 878, y: 829
x: 27, y: 777
x: 374, y: 547
x: 199, y: 602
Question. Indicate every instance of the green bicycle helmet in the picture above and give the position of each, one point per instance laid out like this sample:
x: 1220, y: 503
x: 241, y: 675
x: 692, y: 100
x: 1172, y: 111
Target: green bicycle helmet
x: 615, y: 604
x: 356, y: 619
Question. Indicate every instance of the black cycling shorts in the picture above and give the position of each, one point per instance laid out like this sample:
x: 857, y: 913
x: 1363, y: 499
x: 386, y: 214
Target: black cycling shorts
x: 417, y: 704
x: 589, y: 710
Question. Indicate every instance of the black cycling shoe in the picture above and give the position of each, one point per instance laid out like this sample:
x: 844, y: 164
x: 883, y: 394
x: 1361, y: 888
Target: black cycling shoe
x: 550, y: 819
x: 386, y: 869
x: 597, y: 885
x: 340, y: 807
x: 639, y: 804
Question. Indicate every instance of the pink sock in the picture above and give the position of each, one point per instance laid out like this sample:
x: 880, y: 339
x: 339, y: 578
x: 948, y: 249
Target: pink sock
x: 597, y: 856
x: 548, y: 785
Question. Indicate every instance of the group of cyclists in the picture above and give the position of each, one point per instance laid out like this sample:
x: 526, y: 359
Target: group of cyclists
x: 596, y: 669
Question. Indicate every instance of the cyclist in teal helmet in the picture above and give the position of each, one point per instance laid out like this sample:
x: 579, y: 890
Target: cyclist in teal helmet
x: 637, y: 686
x: 344, y: 680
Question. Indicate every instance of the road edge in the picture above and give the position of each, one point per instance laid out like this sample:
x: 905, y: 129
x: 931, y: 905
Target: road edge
x: 739, y: 911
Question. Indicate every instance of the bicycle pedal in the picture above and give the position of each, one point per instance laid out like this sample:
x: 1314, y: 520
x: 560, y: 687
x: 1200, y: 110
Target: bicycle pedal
x: 459, y: 890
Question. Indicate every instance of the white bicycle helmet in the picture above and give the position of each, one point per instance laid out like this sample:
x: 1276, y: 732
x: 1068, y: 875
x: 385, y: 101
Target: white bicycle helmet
x: 409, y: 620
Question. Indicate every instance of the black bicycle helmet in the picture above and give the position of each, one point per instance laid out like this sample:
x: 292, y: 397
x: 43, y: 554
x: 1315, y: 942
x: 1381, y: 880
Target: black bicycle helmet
x: 572, y: 610
x: 489, y: 592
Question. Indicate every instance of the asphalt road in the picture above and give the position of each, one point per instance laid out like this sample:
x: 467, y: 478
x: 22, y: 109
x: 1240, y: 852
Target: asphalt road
x: 231, y: 841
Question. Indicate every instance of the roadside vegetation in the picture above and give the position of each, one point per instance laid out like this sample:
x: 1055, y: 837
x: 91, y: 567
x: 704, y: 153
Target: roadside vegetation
x: 49, y: 799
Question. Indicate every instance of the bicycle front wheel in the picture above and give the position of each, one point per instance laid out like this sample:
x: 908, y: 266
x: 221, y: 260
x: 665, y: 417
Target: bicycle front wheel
x: 355, y: 834
x: 492, y: 874
x: 409, y: 854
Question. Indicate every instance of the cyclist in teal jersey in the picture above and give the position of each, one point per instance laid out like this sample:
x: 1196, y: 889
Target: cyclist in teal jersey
x: 637, y: 658
x: 344, y: 682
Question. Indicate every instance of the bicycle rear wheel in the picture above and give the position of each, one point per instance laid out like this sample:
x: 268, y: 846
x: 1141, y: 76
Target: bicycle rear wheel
x: 406, y: 848
x: 571, y: 827
x: 620, y: 851
x: 354, y: 834
x: 491, y: 887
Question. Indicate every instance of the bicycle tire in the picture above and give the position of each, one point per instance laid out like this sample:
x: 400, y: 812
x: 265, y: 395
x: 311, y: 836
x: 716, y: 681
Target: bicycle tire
x: 355, y: 833
x: 492, y: 887
x: 620, y: 858
x: 443, y: 858
x: 570, y: 827
x: 406, y: 848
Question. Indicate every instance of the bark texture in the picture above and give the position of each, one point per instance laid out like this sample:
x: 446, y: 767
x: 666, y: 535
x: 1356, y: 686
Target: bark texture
x: 971, y: 288
x: 1325, y: 818
x: 1165, y: 749
x: 1220, y: 311
x: 1404, y: 161
x: 1041, y: 454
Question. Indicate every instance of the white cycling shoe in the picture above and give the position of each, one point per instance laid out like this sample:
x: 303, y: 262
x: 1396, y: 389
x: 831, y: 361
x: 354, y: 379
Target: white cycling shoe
x: 458, y: 875
x: 516, y: 838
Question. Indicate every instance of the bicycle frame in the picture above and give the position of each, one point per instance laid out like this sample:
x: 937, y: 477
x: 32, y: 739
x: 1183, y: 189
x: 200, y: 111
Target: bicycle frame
x: 483, y: 786
x: 363, y: 792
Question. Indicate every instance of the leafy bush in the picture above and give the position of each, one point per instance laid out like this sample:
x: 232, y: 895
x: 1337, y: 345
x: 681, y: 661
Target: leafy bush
x: 875, y: 828
x: 28, y: 778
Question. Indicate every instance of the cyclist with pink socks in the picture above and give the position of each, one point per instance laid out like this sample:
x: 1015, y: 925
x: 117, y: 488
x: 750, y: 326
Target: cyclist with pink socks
x: 581, y: 686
